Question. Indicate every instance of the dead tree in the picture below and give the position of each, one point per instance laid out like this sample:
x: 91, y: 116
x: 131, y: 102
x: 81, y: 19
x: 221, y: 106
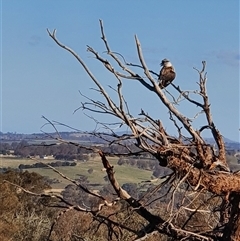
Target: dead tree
x: 198, y: 167
x: 200, y: 171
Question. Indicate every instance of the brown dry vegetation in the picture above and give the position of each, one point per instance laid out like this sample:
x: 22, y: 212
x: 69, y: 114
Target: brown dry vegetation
x: 22, y: 217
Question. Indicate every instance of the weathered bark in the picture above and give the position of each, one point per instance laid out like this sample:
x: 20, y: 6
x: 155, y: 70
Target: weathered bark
x: 218, y: 182
x: 232, y: 228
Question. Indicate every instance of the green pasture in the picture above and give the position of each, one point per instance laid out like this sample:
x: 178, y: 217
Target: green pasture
x: 123, y: 173
x: 14, y: 162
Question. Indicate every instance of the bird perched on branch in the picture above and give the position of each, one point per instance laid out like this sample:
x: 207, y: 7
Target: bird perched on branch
x: 167, y: 73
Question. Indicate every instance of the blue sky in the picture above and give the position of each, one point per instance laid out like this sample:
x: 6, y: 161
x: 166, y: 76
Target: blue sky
x: 39, y: 78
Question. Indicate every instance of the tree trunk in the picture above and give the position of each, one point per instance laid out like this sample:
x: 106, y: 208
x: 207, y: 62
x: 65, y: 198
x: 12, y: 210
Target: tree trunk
x: 232, y: 228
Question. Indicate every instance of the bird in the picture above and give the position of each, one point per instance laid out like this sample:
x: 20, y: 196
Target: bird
x: 167, y: 73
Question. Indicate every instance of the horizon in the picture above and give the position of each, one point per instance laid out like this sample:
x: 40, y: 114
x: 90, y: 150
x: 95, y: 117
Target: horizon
x: 226, y: 139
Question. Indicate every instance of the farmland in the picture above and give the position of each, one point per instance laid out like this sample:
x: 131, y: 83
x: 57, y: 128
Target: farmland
x: 124, y: 173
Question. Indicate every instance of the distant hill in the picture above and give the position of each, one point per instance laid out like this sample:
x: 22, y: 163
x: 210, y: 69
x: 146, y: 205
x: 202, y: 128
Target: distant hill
x: 86, y: 137
x: 230, y: 144
x: 226, y: 140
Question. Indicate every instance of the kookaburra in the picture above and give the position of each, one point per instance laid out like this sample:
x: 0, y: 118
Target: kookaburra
x: 167, y: 73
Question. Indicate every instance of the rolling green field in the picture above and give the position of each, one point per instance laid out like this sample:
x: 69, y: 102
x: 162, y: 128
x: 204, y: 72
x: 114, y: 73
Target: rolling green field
x: 124, y: 173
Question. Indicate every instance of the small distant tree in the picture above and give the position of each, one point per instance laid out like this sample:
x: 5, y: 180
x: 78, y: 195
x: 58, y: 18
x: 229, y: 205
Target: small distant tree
x: 199, y: 199
x: 121, y: 161
x: 90, y: 170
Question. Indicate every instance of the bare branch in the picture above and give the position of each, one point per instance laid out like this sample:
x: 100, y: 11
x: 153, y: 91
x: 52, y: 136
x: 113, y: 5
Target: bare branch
x: 197, y: 169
